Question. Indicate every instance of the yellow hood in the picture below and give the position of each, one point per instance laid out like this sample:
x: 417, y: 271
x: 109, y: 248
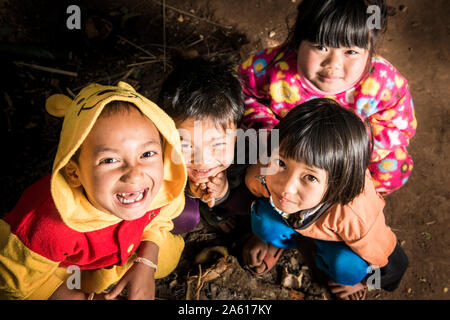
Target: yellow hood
x: 79, y: 118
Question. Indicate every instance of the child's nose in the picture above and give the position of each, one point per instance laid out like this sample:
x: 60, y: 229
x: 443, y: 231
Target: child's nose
x: 290, y: 185
x: 203, y: 156
x: 133, y: 175
x: 333, y: 60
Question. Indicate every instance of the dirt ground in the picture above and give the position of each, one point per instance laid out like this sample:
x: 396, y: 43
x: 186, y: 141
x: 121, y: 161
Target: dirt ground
x: 139, y: 49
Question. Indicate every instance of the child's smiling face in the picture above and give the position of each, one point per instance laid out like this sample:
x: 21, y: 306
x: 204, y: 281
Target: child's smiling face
x: 293, y: 185
x: 120, y: 165
x: 331, y: 69
x: 207, y: 148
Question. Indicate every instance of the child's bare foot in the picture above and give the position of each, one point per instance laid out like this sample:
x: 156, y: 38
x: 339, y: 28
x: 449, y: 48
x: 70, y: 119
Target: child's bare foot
x: 356, y: 292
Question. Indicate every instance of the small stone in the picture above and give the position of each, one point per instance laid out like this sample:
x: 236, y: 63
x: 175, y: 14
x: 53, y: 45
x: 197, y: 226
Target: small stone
x: 426, y: 235
x: 180, y: 18
x: 272, y: 34
x: 409, y: 290
x: 290, y: 281
x: 445, y: 290
x: 294, y: 263
x: 31, y: 125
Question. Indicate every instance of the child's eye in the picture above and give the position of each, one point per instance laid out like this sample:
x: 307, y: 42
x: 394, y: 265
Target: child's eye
x: 219, y: 144
x: 351, y: 52
x: 281, y: 163
x: 311, y: 178
x: 148, y: 154
x: 321, y: 47
x: 108, y: 160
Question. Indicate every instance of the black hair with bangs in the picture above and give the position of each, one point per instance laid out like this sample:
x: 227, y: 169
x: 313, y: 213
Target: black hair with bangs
x: 323, y: 134
x: 337, y: 23
x: 200, y: 88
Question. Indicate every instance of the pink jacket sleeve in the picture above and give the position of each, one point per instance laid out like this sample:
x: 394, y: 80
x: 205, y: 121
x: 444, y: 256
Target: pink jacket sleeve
x: 255, y: 78
x: 393, y: 122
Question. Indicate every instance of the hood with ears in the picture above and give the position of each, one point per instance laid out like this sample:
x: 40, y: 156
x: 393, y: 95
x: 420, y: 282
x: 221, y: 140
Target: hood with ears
x: 80, y: 115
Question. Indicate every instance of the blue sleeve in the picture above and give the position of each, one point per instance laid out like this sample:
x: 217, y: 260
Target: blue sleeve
x: 270, y: 227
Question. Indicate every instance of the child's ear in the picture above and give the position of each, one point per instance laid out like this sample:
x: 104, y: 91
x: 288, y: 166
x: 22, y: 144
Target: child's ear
x: 71, y: 173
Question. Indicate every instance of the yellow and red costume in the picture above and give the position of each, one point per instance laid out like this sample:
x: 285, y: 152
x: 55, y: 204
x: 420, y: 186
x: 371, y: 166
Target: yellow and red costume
x: 54, y: 226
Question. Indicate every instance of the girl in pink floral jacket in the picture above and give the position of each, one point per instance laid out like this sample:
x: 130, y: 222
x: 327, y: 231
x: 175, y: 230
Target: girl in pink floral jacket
x: 330, y: 53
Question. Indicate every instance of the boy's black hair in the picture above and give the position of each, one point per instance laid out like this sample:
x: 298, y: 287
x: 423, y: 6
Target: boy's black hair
x: 336, y: 23
x: 199, y: 88
x: 323, y: 134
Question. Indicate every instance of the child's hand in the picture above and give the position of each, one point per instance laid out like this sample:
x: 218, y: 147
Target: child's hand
x: 254, y: 252
x: 139, y: 281
x: 197, y: 190
x: 253, y: 184
x: 140, y: 278
x: 216, y: 188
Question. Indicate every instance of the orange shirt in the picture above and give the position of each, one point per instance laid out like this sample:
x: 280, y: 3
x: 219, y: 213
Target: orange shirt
x: 360, y: 224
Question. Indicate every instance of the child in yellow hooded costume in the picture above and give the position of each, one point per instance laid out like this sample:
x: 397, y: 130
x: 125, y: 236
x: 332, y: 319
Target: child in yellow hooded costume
x: 117, y: 183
